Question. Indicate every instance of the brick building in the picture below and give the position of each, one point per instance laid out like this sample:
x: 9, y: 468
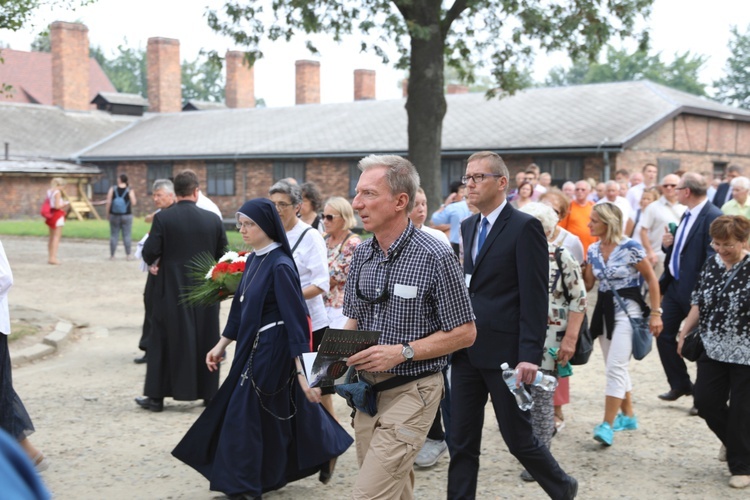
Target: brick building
x: 239, y: 151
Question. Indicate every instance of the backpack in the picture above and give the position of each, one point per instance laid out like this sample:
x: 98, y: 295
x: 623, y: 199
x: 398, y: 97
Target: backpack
x: 119, y: 204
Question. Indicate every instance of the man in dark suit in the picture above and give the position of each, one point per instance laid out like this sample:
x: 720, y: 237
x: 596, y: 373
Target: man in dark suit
x: 506, y: 265
x: 685, y: 253
x: 180, y: 335
x: 724, y: 191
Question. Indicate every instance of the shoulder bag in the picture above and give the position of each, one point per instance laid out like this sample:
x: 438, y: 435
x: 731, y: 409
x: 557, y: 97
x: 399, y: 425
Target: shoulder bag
x: 642, y: 338
x: 585, y: 343
x: 692, y: 345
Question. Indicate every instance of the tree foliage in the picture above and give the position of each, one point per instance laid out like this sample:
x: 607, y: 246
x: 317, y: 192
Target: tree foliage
x: 621, y: 65
x: 426, y: 35
x: 15, y: 14
x: 202, y: 79
x: 734, y: 88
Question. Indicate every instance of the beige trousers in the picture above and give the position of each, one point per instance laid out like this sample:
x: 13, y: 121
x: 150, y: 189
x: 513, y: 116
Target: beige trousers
x: 387, y: 444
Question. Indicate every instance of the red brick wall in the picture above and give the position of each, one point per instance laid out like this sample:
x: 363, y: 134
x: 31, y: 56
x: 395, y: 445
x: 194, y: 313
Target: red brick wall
x: 307, y: 77
x: 364, y: 84
x: 70, y: 65
x: 164, y: 76
x: 240, y: 88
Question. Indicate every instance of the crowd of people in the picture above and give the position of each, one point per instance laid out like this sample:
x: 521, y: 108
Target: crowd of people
x: 494, y: 275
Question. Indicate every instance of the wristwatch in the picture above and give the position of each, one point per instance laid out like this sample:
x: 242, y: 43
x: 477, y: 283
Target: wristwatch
x: 407, y: 352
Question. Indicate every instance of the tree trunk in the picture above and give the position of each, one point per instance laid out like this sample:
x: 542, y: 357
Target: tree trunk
x: 425, y: 104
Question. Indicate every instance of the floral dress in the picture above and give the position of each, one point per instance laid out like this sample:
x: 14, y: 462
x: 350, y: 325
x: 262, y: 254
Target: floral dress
x: 339, y: 260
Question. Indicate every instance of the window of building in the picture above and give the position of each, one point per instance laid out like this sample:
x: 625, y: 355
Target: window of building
x: 719, y: 168
x: 293, y: 169
x: 450, y: 170
x: 220, y: 179
x: 562, y: 169
x: 667, y: 166
x: 354, y: 174
x: 156, y: 171
x: 108, y: 178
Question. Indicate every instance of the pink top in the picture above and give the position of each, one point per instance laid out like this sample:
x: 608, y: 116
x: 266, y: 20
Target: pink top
x: 339, y: 260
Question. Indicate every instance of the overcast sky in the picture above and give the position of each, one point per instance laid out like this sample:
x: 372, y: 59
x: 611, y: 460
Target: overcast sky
x: 675, y: 26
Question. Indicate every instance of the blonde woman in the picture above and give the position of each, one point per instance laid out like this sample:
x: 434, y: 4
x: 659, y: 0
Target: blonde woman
x: 338, y: 220
x: 57, y: 220
x: 617, y: 262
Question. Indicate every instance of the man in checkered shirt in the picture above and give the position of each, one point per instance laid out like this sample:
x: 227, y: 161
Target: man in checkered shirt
x: 409, y: 286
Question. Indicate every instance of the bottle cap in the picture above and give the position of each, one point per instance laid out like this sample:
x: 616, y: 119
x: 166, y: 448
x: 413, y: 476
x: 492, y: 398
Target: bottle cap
x: 504, y: 366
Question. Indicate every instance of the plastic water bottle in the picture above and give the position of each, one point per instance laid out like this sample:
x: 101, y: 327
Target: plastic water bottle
x: 546, y: 382
x: 523, y: 398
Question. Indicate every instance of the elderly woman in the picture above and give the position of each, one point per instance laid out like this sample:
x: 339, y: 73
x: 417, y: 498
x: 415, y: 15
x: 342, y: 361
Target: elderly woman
x: 738, y: 205
x: 312, y: 203
x: 617, y: 262
x: 263, y: 428
x: 338, y: 219
x: 309, y: 252
x: 720, y: 308
x: 564, y: 320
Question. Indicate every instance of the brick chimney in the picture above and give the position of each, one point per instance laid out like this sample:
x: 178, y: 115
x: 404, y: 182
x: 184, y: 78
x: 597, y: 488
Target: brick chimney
x: 70, y: 65
x: 405, y: 87
x: 364, y: 84
x: 240, y: 90
x: 454, y: 88
x: 164, y: 75
x: 307, y: 89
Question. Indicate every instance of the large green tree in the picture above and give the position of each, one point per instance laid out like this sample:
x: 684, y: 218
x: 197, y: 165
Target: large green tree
x: 621, y: 65
x: 466, y: 34
x: 734, y: 88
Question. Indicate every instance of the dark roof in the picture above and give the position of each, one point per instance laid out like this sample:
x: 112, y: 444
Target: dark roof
x: 196, y: 105
x: 30, y: 75
x: 46, y: 167
x: 33, y: 131
x: 584, y: 118
x: 120, y: 98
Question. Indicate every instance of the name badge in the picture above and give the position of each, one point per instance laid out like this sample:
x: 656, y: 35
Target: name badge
x: 467, y: 278
x: 405, y: 291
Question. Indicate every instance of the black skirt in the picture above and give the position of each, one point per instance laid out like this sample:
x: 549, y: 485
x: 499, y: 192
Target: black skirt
x: 14, y: 418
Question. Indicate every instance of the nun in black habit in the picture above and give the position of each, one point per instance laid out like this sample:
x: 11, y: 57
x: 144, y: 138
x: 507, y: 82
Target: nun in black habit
x: 265, y: 427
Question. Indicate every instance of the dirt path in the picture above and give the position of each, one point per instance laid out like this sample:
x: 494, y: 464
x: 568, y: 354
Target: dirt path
x: 102, y: 446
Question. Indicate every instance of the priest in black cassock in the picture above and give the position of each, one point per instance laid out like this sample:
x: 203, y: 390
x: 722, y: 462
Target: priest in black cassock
x: 180, y: 335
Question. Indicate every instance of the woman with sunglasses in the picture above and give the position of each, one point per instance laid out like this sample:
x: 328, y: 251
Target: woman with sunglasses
x: 263, y: 428
x: 338, y: 219
x: 720, y: 308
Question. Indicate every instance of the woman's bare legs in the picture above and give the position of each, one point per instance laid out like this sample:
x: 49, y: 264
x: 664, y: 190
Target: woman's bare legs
x: 55, y: 234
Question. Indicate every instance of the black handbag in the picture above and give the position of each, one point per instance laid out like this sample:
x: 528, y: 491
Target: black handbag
x: 585, y: 342
x: 692, y: 345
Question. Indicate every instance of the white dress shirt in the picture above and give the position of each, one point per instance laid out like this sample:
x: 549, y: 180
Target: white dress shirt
x: 311, y: 258
x: 6, y: 281
x: 491, y: 218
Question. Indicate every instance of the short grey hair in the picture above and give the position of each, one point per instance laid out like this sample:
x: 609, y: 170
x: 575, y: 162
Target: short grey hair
x: 740, y: 182
x: 544, y: 213
x: 400, y: 175
x: 163, y: 185
x: 293, y: 191
x: 696, y: 183
x: 611, y: 184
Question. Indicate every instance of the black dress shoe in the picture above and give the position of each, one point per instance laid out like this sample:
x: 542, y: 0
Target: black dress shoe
x: 152, y: 404
x: 326, y: 471
x: 141, y: 360
x: 675, y: 394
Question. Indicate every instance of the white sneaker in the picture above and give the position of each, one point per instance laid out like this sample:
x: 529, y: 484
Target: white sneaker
x: 430, y: 453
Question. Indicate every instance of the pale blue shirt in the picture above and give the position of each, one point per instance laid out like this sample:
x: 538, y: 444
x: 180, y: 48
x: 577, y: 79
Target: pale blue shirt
x: 491, y: 218
x: 453, y: 214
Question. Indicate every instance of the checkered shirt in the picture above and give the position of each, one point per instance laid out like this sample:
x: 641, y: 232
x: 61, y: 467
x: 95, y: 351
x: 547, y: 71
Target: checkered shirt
x: 420, y: 266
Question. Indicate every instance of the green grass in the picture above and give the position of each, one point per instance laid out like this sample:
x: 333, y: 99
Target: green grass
x: 88, y: 230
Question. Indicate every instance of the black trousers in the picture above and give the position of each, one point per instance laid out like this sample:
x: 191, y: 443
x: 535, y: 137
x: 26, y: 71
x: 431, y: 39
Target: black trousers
x: 675, y: 311
x: 469, y: 389
x: 148, y: 306
x: 722, y: 396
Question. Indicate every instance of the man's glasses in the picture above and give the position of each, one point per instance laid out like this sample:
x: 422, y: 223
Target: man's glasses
x: 680, y: 188
x: 478, y: 178
x: 669, y: 185
x: 330, y: 217
x: 384, y: 295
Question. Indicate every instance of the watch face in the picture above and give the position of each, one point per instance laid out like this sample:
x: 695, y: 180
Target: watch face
x: 408, y: 352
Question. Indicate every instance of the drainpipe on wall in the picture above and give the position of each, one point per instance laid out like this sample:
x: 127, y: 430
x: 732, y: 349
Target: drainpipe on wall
x: 605, y: 156
x: 7, y: 151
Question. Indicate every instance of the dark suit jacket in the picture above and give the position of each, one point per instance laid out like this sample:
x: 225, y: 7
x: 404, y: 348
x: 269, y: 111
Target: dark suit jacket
x: 508, y: 289
x: 695, y: 250
x: 721, y: 194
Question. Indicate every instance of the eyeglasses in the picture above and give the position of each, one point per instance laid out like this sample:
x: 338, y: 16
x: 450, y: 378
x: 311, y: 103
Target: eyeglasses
x: 478, y: 178
x: 245, y: 225
x: 722, y: 246
x: 581, y: 189
x: 384, y: 295
x: 330, y: 217
x: 281, y: 205
x: 680, y: 188
x: 668, y: 185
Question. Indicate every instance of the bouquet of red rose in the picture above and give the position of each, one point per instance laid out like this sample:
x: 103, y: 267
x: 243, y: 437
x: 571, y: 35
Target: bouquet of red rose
x: 214, y: 281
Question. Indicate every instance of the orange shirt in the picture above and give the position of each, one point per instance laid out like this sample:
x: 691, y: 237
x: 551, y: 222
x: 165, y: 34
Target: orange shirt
x: 577, y: 222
